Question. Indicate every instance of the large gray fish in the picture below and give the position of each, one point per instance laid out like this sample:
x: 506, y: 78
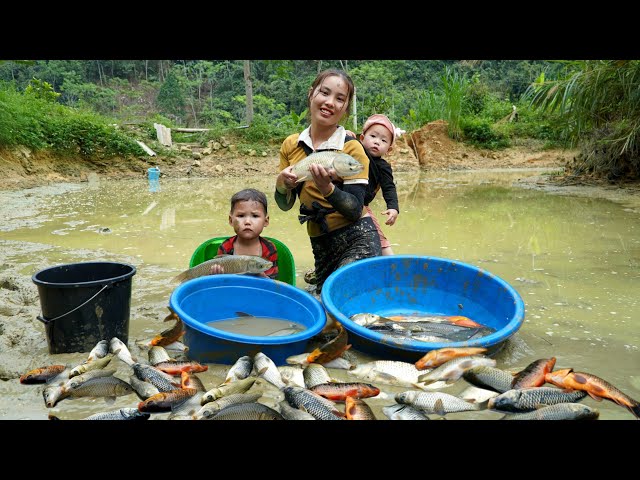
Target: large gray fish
x: 311, y: 403
x: 99, y: 351
x: 528, y: 399
x: 109, y: 387
x: 162, y: 381
x: 315, y: 374
x: 120, y: 350
x: 489, y: 377
x: 344, y: 165
x: 142, y: 388
x: 399, y: 411
x: 224, y: 389
x: 209, y: 409
x: 248, y: 411
x: 90, y: 365
x: 437, y: 402
x: 560, y: 411
x: 292, y: 375
x: 158, y: 354
x: 290, y: 413
x: 127, y: 413
x: 240, y: 370
x: 390, y: 372
x: 268, y: 370
x: 230, y: 264
x: 452, y: 370
x: 78, y: 380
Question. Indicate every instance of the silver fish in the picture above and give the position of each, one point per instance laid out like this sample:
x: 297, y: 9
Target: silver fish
x: 230, y: 264
x: 240, y: 370
x: 290, y: 413
x: 399, y: 411
x: 528, y: 399
x: 102, y: 387
x: 268, y: 370
x: 142, y: 388
x: 209, y: 409
x: 453, y: 369
x: 311, y: 403
x: 390, y: 372
x: 436, y: 402
x: 158, y: 354
x: 490, y: 377
x: 224, y: 389
x: 344, y: 165
x: 248, y: 411
x: 120, y: 414
x: 120, y: 350
x: 90, y: 365
x: 162, y: 381
x: 560, y: 411
x: 315, y: 374
x: 292, y: 375
x: 99, y: 351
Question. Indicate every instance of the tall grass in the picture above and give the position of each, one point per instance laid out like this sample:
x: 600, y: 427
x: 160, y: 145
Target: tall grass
x: 454, y: 87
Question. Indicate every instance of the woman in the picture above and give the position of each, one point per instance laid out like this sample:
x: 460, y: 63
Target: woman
x: 333, y: 207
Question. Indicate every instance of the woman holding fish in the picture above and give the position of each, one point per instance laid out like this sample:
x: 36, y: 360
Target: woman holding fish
x: 329, y: 172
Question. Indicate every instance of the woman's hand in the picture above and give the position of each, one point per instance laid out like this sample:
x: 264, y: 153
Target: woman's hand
x: 393, y: 214
x: 286, y: 180
x: 216, y: 269
x: 323, y: 178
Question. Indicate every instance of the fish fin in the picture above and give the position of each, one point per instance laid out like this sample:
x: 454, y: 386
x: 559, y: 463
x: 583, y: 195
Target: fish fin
x: 438, y: 407
x: 635, y: 409
x: 262, y: 370
x: 109, y: 400
x: 538, y: 406
x: 244, y: 314
x: 483, y: 405
x: 595, y: 397
x: 424, y: 379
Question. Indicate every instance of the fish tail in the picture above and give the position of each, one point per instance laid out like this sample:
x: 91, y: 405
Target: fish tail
x: 635, y: 409
x: 181, y: 278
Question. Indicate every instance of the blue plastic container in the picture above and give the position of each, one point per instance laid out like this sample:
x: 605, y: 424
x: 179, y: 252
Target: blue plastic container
x: 219, y: 297
x: 153, y: 174
x: 410, y: 285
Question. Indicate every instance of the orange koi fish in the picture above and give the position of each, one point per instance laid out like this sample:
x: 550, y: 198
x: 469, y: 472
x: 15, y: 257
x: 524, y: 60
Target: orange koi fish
x: 534, y: 374
x: 332, y: 349
x: 435, y: 358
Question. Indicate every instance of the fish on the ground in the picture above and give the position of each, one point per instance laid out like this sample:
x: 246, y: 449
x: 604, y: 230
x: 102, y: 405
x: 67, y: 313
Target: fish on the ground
x: 390, y: 372
x: 120, y: 350
x: 533, y: 374
x: 340, y: 391
x: 530, y: 398
x: 560, y: 411
x: 450, y: 371
x: 224, y: 389
x: 162, y: 381
x: 437, y: 402
x: 166, y: 401
x: 143, y: 389
x: 344, y: 164
x: 126, y: 413
x: 230, y: 264
x: 315, y: 374
x: 267, y: 369
x: 292, y: 375
x: 240, y: 370
x: 209, y: 409
x: 312, y: 403
x: 435, y: 358
x: 290, y: 413
x: 158, y: 354
x: 109, y: 387
x: 172, y: 334
x: 400, y: 411
x: 332, y: 349
x: 189, y: 380
x: 489, y: 377
x: 247, y: 411
x: 477, y: 395
x: 41, y: 374
x: 357, y: 409
x: 92, y: 365
x: 596, y: 387
x: 177, y: 367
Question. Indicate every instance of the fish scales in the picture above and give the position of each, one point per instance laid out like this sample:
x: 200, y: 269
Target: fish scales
x: 527, y: 399
x: 344, y: 165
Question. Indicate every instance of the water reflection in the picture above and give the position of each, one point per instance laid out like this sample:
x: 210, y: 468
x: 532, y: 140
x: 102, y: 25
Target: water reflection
x: 573, y: 260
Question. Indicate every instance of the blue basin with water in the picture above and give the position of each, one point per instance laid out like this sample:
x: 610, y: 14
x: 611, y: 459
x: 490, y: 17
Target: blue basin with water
x: 217, y: 297
x: 413, y: 285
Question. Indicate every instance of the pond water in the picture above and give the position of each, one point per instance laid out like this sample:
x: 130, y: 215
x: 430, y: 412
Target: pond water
x: 575, y: 261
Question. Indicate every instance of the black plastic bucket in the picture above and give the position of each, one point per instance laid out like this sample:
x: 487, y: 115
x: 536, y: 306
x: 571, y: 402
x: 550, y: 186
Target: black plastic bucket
x: 83, y: 303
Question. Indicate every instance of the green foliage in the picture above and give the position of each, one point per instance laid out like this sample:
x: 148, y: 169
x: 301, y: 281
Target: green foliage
x: 480, y: 133
x: 37, y: 123
x: 599, y: 104
x: 454, y: 87
x: 429, y: 107
x: 171, y: 97
x: 43, y: 90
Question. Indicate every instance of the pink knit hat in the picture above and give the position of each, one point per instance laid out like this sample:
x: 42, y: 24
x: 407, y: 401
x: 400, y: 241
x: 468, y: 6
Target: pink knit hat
x: 380, y: 120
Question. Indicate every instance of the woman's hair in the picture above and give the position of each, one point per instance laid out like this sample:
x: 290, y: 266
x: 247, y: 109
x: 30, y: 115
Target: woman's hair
x: 249, y: 195
x: 333, y: 72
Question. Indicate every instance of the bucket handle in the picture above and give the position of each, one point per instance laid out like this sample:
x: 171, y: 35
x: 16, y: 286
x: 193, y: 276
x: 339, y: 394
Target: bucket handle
x: 45, y: 321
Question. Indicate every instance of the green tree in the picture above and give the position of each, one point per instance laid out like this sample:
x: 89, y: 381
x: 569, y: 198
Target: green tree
x: 171, y: 99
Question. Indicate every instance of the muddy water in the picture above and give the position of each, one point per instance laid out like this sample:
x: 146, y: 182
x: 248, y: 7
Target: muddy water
x: 574, y: 260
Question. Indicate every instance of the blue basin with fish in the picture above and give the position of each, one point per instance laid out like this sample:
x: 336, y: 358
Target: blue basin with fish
x: 405, y: 285
x: 211, y: 298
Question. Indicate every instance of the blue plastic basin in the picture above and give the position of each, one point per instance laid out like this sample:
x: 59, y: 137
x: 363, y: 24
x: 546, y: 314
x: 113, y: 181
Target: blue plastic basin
x: 218, y: 297
x: 410, y: 285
